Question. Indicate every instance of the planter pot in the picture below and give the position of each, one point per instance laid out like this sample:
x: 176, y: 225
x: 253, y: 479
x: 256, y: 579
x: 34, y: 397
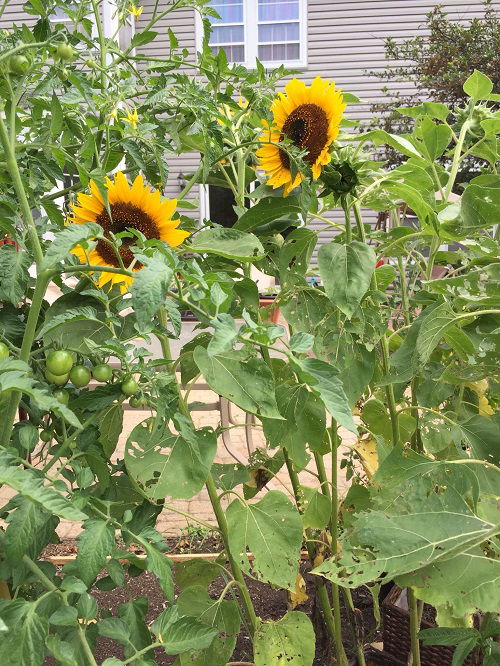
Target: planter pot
x: 275, y: 312
x: 396, y: 634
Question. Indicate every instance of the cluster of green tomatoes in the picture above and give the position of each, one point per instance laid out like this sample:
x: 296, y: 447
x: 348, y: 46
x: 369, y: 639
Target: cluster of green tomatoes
x: 19, y: 64
x: 60, y: 368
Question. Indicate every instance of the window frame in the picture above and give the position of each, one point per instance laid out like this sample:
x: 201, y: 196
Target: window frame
x: 250, y: 34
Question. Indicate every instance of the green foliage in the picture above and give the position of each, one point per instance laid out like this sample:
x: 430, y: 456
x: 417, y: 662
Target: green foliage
x: 402, y: 354
x: 287, y: 641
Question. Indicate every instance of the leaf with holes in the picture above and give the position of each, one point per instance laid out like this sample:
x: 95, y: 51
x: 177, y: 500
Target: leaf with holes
x: 268, y: 527
x: 288, y: 642
x: 166, y: 464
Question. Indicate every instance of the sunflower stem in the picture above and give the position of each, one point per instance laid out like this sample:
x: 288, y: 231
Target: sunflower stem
x: 347, y: 216
x: 321, y: 590
x: 384, y: 344
x: 212, y: 492
x: 414, y: 658
x: 334, y: 532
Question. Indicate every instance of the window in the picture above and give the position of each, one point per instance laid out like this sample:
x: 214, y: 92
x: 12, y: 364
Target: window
x: 274, y: 31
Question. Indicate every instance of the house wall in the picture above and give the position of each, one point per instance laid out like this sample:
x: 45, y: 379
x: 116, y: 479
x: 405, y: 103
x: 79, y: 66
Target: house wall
x: 345, y: 39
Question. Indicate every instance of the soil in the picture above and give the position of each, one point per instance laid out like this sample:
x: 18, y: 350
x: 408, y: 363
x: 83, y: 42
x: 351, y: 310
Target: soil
x: 269, y: 605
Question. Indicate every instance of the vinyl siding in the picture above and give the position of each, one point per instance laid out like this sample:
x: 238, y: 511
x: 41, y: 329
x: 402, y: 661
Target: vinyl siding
x: 345, y: 39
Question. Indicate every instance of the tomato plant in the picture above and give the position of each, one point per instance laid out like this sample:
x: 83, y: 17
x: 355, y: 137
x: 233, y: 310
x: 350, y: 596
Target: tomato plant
x: 102, y: 372
x: 129, y: 386
x: 375, y: 399
x: 62, y: 396
x: 19, y: 64
x: 58, y: 380
x: 80, y: 375
x: 59, y: 362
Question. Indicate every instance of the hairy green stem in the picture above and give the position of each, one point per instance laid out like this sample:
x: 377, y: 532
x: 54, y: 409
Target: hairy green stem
x: 212, y: 493
x: 384, y: 345
x: 191, y: 182
x: 320, y: 466
x: 42, y: 283
x: 334, y: 530
x: 456, y: 160
x: 17, y: 181
x: 321, y: 590
x: 347, y: 217
x: 414, y: 627
x: 357, y: 639
x: 235, y: 568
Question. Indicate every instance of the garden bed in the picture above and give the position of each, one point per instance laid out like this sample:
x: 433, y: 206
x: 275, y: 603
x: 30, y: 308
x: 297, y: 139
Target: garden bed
x: 270, y: 604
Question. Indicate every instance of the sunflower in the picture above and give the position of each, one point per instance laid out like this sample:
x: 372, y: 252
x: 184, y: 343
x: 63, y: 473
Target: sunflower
x: 310, y: 118
x: 135, y: 207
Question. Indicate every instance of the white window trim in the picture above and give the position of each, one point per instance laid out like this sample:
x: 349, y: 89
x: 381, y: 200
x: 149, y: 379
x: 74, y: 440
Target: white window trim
x: 251, y: 37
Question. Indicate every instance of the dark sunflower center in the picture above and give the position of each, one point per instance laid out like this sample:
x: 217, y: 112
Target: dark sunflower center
x: 306, y: 127
x: 124, y: 216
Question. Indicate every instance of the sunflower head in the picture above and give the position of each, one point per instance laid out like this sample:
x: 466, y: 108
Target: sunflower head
x: 133, y: 207
x: 309, y: 117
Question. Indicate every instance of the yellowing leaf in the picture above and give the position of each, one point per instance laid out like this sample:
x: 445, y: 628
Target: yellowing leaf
x: 299, y: 594
x: 367, y: 451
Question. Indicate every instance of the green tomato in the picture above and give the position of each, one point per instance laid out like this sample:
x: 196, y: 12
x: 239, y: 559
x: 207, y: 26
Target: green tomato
x: 134, y: 402
x: 102, y: 372
x: 72, y: 446
x: 59, y: 362
x: 19, y: 64
x: 61, y: 396
x: 4, y: 350
x: 58, y: 380
x: 65, y: 52
x: 129, y: 386
x: 80, y: 375
x: 46, y: 435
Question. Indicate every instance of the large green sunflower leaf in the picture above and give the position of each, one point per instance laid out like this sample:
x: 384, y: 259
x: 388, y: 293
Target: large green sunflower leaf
x: 165, y: 464
x: 466, y: 583
x: 287, y: 642
x: 346, y: 271
x: 272, y: 530
x: 267, y: 210
x: 228, y: 243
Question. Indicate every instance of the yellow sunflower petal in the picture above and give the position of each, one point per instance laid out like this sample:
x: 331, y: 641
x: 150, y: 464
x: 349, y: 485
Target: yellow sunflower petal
x: 95, y: 192
x: 89, y: 203
x: 83, y: 215
x: 319, y: 107
x: 174, y: 237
